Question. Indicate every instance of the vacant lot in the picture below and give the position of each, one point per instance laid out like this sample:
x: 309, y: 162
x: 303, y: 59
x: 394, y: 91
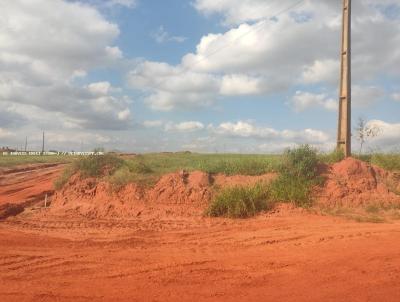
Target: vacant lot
x: 169, y: 250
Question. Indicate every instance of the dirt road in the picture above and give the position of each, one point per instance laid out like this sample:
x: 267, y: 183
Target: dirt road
x: 27, y: 183
x: 284, y: 256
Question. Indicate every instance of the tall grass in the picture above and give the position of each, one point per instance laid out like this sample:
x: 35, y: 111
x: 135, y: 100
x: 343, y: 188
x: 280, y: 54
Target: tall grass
x: 298, y: 174
x: 92, y: 166
x: 240, y: 202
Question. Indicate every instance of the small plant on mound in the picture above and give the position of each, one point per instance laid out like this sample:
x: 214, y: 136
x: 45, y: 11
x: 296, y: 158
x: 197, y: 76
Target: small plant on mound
x: 298, y: 174
x: 132, y: 171
x: 92, y: 166
x: 332, y: 157
x: 98, y: 165
x: 60, y: 182
x: 240, y: 202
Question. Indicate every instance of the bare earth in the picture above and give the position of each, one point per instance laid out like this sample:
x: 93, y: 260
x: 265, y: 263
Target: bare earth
x: 288, y: 255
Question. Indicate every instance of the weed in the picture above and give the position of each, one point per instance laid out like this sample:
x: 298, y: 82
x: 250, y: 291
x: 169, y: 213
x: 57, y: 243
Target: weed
x: 333, y: 157
x: 298, y: 174
x: 240, y: 202
x: 98, y: 165
x: 60, y: 182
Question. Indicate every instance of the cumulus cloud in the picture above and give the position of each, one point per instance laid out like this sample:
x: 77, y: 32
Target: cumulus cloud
x: 321, y: 71
x: 388, y: 137
x: 172, y: 87
x: 162, y: 36
x: 153, y: 124
x: 305, y: 100
x: 262, y: 55
x: 364, y: 96
x: 189, y: 126
x: 396, y: 97
x: 45, y: 46
x: 4, y: 133
x: 242, y: 129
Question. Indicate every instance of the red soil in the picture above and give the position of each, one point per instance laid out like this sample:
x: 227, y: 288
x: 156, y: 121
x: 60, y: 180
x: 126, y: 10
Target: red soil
x: 354, y: 183
x: 159, y: 247
x: 27, y: 183
x: 175, y: 194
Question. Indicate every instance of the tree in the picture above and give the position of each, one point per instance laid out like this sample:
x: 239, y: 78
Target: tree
x: 365, y: 131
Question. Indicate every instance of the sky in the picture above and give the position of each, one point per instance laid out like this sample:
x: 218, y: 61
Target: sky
x: 248, y: 76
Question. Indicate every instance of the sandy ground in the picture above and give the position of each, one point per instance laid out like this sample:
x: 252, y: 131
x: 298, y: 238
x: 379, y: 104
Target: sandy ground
x: 288, y: 255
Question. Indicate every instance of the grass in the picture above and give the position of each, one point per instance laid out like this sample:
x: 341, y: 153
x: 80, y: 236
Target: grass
x: 96, y: 166
x: 387, y: 161
x: 11, y: 161
x: 241, y: 202
x: 298, y: 174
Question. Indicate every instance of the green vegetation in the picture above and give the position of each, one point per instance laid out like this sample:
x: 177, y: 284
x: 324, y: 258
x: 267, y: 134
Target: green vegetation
x: 92, y: 166
x: 332, y: 157
x: 11, y: 161
x: 298, y: 174
x: 241, y: 202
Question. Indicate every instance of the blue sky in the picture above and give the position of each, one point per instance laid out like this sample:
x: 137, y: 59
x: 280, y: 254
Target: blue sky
x: 199, y: 75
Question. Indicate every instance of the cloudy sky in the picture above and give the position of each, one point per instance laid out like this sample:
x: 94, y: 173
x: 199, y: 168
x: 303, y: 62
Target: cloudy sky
x: 200, y: 75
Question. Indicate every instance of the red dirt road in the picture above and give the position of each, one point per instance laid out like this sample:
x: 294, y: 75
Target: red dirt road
x: 27, y: 183
x: 285, y: 256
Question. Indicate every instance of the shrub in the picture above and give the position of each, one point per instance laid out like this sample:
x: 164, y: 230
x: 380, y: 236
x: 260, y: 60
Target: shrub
x: 292, y: 189
x: 240, y: 202
x: 298, y: 174
x: 98, y: 165
x: 300, y: 162
x: 333, y: 157
x: 92, y: 166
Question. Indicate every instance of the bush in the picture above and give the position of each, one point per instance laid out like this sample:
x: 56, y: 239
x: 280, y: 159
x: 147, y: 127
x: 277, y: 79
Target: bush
x: 92, y: 166
x: 298, y: 174
x: 98, y: 165
x: 240, y: 202
x: 300, y: 162
x: 333, y: 157
x: 292, y: 189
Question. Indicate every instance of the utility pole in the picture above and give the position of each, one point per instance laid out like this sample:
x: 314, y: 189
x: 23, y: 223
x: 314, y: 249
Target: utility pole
x: 344, y: 122
x: 26, y: 143
x: 43, y: 144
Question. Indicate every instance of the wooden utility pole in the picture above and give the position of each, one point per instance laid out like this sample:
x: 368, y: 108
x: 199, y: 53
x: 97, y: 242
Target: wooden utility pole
x: 344, y: 124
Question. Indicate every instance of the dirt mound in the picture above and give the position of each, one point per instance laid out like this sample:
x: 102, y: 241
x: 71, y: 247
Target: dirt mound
x: 182, y: 194
x: 353, y: 183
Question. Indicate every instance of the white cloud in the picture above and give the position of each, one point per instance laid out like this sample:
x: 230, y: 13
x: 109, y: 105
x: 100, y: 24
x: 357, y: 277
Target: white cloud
x: 189, y: 126
x: 153, y: 124
x: 364, y: 96
x: 126, y: 3
x: 4, y: 133
x: 45, y: 46
x: 321, y: 71
x: 173, y: 87
x: 396, y: 97
x: 238, y: 84
x: 388, y: 136
x: 162, y: 36
x: 305, y: 100
x: 242, y: 129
